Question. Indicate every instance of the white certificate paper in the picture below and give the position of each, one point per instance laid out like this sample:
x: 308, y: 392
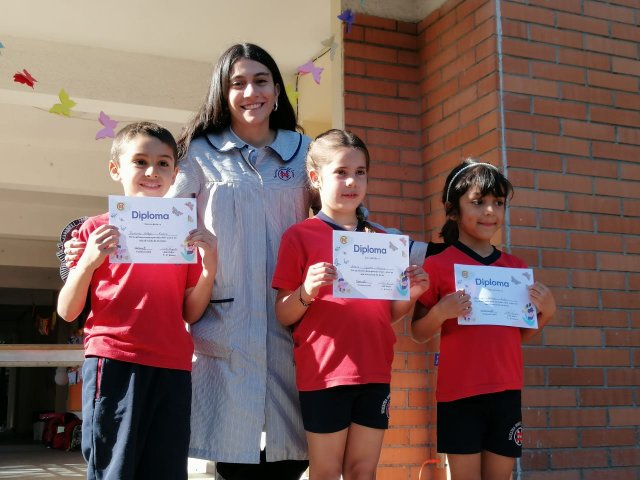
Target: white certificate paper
x: 153, y: 230
x: 499, y: 296
x: 370, y: 265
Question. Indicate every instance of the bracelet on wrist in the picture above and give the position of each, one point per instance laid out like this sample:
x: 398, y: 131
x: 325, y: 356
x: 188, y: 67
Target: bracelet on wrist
x: 305, y: 304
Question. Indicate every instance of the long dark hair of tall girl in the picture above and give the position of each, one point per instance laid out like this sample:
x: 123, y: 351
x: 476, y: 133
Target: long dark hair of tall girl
x: 214, y: 115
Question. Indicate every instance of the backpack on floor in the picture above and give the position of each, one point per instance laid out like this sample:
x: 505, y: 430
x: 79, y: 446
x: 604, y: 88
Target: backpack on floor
x: 52, y: 420
x: 68, y: 434
x: 59, y: 430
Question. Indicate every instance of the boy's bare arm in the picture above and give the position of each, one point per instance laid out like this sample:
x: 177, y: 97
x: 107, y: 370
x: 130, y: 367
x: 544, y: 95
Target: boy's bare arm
x: 102, y: 242
x: 73, y: 295
x: 197, y: 299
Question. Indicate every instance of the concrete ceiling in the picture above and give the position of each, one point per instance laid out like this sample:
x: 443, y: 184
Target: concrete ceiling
x: 193, y: 30
x: 134, y: 59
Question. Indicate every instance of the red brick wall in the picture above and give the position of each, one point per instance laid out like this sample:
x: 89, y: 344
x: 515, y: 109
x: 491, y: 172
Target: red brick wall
x: 382, y: 102
x: 423, y: 96
x: 571, y: 110
x: 460, y: 98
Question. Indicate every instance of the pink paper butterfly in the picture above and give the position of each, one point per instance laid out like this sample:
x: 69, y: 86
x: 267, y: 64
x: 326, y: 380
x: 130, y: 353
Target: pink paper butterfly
x: 108, y: 124
x: 309, y: 67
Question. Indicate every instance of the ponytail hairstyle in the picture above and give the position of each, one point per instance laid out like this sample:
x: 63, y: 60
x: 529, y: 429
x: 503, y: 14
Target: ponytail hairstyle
x: 470, y: 173
x: 322, y: 150
x: 214, y: 114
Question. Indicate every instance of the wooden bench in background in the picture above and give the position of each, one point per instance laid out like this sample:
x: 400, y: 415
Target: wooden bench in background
x: 39, y: 355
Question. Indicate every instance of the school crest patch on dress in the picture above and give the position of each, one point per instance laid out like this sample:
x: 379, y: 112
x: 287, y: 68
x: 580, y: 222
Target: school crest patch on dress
x: 284, y: 173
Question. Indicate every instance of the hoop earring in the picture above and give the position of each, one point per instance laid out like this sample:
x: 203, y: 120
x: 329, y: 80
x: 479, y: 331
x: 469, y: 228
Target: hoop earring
x: 275, y: 106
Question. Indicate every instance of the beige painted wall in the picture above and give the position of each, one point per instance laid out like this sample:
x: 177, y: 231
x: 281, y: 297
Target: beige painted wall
x: 54, y: 170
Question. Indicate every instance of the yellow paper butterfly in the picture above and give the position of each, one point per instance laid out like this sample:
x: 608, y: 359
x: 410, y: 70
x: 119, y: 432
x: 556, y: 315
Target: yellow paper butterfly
x: 292, y: 93
x: 65, y: 105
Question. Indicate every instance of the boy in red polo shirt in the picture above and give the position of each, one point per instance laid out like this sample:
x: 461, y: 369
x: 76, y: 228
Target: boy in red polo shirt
x: 136, y: 399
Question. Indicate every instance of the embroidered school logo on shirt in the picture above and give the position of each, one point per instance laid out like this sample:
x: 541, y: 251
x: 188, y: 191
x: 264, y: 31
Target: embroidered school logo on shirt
x: 284, y: 173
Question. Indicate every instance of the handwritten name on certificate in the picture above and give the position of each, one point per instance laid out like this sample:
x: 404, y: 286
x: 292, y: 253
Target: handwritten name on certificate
x: 499, y: 296
x: 370, y: 265
x: 153, y: 230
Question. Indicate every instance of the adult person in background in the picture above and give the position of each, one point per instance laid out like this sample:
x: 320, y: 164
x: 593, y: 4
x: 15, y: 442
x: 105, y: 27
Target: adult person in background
x: 244, y: 162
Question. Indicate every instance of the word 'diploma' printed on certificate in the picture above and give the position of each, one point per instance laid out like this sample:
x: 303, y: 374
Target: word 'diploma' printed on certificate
x: 153, y: 230
x: 371, y: 265
x: 499, y: 295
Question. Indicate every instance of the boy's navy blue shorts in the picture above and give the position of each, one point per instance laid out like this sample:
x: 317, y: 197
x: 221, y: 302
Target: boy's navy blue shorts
x: 333, y: 409
x: 491, y: 422
x: 135, y: 420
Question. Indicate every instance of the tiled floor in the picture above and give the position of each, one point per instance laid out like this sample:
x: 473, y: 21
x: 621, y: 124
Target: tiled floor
x: 34, y: 461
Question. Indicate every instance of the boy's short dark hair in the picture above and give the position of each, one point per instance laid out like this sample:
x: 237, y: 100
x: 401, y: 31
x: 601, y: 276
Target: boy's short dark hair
x: 149, y: 129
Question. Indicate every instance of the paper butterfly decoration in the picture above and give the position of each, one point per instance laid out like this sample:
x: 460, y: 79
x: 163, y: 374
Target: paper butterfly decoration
x: 1, y: 47
x: 190, y: 205
x: 292, y: 94
x: 309, y: 67
x: 348, y: 18
x: 108, y: 124
x: 65, y: 105
x: 24, y: 77
x: 331, y: 44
